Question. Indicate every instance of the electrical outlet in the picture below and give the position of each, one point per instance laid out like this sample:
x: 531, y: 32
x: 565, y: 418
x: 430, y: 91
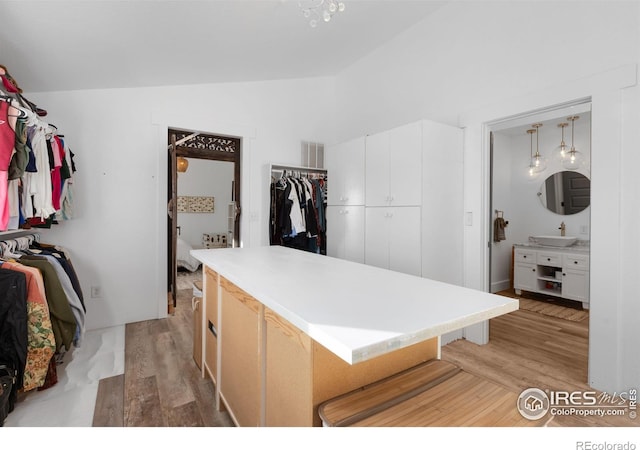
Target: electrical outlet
x: 96, y: 292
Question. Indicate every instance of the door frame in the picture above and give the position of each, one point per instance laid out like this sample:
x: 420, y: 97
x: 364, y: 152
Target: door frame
x: 197, y: 145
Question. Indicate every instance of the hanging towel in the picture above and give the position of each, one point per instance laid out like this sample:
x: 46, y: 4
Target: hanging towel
x: 499, y: 225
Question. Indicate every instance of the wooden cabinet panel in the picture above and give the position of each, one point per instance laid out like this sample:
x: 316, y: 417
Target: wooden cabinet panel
x: 288, y: 375
x: 209, y: 324
x: 241, y: 354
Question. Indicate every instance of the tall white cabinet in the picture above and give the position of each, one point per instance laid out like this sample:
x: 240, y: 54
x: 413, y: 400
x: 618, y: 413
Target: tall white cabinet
x: 412, y: 204
x: 345, y: 201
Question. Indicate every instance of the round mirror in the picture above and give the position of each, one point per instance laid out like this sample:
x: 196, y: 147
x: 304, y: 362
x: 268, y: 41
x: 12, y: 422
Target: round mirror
x: 565, y: 193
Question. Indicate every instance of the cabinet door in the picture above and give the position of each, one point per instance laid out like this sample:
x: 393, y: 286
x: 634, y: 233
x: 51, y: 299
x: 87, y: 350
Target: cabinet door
x: 575, y: 285
x: 352, y: 171
x: 376, y: 251
x: 524, y: 277
x: 210, y: 323
x: 333, y: 163
x: 377, y: 169
x: 336, y: 232
x: 405, y: 165
x: 241, y: 354
x: 353, y: 217
x: 404, y: 240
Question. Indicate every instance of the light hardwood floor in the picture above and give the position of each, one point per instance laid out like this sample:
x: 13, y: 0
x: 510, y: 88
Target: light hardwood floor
x: 528, y: 349
x: 162, y: 385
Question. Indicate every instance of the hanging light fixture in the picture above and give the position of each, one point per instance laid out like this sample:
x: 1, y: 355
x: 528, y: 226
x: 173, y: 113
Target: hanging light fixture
x: 574, y: 159
x: 532, y: 173
x: 316, y: 10
x: 560, y: 152
x: 182, y: 164
x: 538, y: 162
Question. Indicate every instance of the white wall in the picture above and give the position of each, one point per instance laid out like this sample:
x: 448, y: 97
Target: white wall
x: 205, y: 178
x: 118, y: 237
x: 472, y: 63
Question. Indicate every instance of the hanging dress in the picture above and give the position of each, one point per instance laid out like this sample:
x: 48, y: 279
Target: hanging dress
x: 7, y: 142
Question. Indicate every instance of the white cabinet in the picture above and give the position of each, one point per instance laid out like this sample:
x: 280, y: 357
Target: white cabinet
x: 393, y: 167
x: 345, y: 164
x: 392, y: 238
x: 345, y: 232
x: 552, y: 272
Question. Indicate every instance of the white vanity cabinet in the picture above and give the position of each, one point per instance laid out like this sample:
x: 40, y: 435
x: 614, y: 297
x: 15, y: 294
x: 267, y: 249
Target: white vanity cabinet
x: 555, y: 272
x: 393, y: 167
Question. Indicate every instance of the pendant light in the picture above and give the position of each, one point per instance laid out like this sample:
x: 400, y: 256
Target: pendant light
x: 561, y: 151
x: 182, y: 164
x: 538, y: 162
x: 574, y: 159
x: 532, y: 173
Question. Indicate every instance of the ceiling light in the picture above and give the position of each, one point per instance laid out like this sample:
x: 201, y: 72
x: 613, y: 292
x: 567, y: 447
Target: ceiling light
x: 182, y: 164
x: 560, y: 152
x: 538, y: 163
x: 316, y: 10
x: 532, y: 173
x: 574, y: 159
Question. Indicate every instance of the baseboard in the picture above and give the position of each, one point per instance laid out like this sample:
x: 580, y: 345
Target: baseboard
x: 500, y: 286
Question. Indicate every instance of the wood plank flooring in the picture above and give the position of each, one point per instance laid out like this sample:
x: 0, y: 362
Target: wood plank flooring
x: 161, y: 386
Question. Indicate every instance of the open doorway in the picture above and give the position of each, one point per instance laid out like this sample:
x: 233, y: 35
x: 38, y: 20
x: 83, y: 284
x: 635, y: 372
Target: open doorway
x: 203, y: 197
x: 540, y: 222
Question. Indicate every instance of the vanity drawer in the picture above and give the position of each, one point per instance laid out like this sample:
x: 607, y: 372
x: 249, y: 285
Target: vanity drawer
x: 550, y: 259
x: 525, y: 256
x: 576, y: 262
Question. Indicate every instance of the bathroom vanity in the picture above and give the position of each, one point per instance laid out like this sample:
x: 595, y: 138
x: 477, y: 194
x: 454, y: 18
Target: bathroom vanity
x: 555, y: 271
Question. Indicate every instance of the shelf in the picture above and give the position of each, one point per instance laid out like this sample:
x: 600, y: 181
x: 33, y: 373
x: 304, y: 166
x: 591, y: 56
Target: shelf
x: 552, y: 279
x: 554, y: 292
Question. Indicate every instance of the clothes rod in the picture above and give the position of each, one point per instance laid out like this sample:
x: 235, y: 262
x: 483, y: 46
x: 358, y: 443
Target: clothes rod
x: 297, y: 168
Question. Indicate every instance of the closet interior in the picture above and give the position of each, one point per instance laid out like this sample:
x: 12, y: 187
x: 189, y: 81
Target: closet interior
x: 42, y: 310
x: 298, y: 204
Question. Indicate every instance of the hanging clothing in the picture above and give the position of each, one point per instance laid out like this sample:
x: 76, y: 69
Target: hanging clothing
x: 63, y: 320
x: 7, y: 141
x: 41, y: 343
x: 13, y: 327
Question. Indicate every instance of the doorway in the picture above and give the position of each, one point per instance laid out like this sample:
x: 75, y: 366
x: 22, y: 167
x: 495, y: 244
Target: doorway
x: 552, y: 200
x: 215, y: 161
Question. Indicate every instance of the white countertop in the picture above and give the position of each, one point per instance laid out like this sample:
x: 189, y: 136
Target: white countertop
x: 354, y: 310
x: 582, y: 249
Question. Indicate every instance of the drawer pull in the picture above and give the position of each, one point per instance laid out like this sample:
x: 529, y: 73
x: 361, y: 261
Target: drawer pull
x: 524, y: 256
x: 575, y: 262
x: 212, y: 329
x: 533, y: 270
x: 548, y: 259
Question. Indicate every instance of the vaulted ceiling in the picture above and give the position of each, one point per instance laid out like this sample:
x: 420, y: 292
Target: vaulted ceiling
x: 54, y: 45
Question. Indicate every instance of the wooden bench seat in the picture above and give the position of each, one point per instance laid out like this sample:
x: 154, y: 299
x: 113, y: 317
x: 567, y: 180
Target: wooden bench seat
x: 436, y: 393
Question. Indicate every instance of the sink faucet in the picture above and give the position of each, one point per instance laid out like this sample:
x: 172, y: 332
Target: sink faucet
x: 562, y: 229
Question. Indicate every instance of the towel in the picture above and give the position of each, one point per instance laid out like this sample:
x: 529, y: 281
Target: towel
x: 499, y: 225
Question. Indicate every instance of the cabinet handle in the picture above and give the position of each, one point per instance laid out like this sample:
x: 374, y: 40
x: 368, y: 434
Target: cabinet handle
x: 533, y: 270
x: 548, y: 259
x: 564, y: 274
x: 391, y: 198
x: 575, y: 262
x: 346, y: 212
x: 524, y: 256
x: 213, y: 329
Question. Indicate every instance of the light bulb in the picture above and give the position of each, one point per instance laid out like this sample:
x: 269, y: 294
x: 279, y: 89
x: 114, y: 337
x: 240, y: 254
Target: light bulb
x: 531, y: 173
x: 573, y: 160
x: 341, y: 6
x: 326, y: 15
x: 333, y: 7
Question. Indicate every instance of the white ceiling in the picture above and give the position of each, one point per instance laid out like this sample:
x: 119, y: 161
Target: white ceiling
x: 53, y: 45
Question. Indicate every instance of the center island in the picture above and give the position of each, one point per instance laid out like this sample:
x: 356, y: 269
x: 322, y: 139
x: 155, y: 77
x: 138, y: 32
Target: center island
x: 285, y: 330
